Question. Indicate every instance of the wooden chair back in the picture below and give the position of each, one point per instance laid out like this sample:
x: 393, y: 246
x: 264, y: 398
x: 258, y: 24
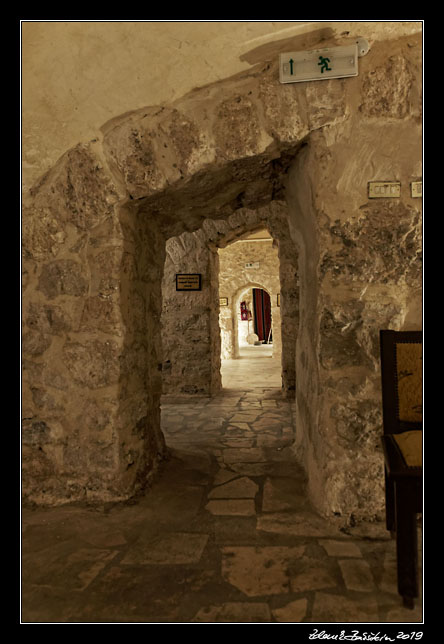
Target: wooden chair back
x: 401, y: 377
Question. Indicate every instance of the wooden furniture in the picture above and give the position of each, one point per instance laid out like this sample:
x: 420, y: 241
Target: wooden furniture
x: 401, y: 374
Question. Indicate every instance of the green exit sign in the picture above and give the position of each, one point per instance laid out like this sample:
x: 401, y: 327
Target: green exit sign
x: 318, y: 64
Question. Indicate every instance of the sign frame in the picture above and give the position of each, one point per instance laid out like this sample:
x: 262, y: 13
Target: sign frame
x: 188, y: 281
x: 384, y: 189
x: 223, y: 301
x: 312, y: 65
x: 416, y: 189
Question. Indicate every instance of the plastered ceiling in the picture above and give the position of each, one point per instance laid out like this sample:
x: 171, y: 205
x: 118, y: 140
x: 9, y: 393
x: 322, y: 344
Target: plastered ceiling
x: 78, y: 75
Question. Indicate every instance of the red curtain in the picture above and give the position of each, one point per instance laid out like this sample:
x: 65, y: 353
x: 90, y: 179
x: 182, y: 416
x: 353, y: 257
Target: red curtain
x: 262, y: 314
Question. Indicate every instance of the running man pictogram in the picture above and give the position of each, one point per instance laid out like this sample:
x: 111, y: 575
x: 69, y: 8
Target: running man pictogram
x: 324, y: 62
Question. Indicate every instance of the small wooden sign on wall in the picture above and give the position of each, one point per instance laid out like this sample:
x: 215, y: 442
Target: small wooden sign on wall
x: 189, y: 282
x: 223, y: 301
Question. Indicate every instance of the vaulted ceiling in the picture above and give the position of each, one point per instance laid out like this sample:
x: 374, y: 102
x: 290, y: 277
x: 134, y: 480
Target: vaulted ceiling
x: 78, y: 75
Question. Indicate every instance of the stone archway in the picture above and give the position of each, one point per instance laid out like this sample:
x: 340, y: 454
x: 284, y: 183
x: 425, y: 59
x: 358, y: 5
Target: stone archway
x: 246, y: 262
x: 275, y: 321
x: 94, y: 234
x: 192, y: 323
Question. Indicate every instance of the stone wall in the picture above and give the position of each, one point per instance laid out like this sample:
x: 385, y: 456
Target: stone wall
x: 190, y: 328
x: 94, y: 233
x: 360, y: 271
x: 86, y: 336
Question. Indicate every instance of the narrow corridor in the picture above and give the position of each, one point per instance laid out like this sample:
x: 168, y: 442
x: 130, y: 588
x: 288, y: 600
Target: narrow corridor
x: 225, y: 534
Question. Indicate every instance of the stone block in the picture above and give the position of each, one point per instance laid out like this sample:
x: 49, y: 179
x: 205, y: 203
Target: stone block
x: 358, y: 423
x: 259, y: 571
x: 75, y: 457
x: 309, y: 574
x: 97, y: 415
x: 340, y: 345
x: 223, y: 476
x: 327, y: 607
x: 286, y: 118
x: 386, y: 89
x: 154, y: 147
x: 101, y: 314
x: 48, y: 318
x: 43, y: 234
x: 35, y: 432
x: 102, y: 456
x: 328, y: 103
x: 35, y: 343
x: 294, y: 611
x: 237, y: 129
x: 93, y: 363
x: 231, y: 507
x: 241, y: 488
x: 301, y: 524
x: 43, y: 399
x: 62, y: 277
x: 276, y: 499
x: 72, y: 570
x: 357, y: 575
x: 174, y: 548
x: 242, y: 455
x: 383, y: 245
x: 340, y: 548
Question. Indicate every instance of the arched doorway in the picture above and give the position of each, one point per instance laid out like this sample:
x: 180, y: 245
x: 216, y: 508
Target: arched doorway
x: 118, y: 201
x: 253, y: 363
x: 201, y: 328
x: 254, y: 319
x: 245, y: 320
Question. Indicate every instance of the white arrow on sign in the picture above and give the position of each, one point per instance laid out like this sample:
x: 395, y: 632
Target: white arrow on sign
x: 318, y: 64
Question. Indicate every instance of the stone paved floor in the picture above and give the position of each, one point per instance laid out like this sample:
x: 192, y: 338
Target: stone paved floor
x: 226, y: 534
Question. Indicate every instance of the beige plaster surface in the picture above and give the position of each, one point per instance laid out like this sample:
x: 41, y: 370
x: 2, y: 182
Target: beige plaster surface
x: 78, y: 75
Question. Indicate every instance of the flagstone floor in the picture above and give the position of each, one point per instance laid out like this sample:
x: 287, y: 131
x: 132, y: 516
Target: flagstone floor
x: 225, y: 534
